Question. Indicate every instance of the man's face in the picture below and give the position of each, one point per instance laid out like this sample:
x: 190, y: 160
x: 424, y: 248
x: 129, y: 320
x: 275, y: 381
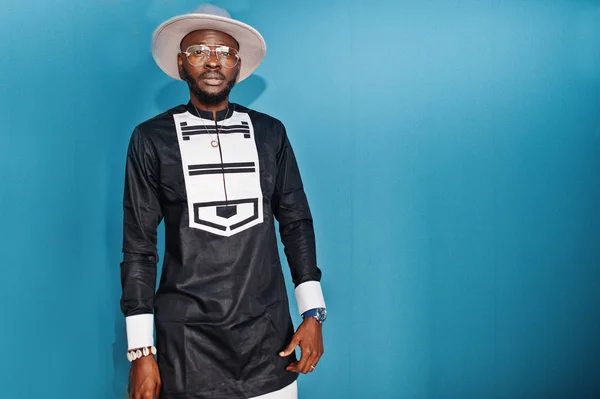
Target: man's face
x: 210, y: 82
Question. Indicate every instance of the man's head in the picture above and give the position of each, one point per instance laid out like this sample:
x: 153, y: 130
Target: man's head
x: 211, y: 78
x: 206, y: 23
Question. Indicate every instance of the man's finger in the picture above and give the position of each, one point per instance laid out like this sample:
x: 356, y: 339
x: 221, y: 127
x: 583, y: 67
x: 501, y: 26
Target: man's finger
x: 304, y: 355
x: 293, y: 367
x: 311, y: 364
x: 314, y: 361
x: 310, y: 360
x: 305, y: 363
x: 290, y: 348
x: 157, y: 390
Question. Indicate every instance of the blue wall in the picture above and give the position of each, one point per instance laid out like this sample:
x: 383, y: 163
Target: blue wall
x: 450, y: 151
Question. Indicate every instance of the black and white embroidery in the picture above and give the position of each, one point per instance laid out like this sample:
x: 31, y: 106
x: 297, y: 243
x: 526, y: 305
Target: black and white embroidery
x: 223, y: 183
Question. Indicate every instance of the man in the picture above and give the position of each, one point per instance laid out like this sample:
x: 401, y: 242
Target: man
x: 217, y: 173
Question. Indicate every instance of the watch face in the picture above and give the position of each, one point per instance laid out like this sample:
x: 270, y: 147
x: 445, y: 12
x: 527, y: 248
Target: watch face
x: 321, y: 315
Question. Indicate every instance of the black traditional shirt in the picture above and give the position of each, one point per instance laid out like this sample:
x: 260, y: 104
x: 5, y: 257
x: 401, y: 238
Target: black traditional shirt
x: 221, y: 310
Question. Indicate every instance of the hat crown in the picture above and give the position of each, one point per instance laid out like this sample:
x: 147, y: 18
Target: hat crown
x: 212, y: 10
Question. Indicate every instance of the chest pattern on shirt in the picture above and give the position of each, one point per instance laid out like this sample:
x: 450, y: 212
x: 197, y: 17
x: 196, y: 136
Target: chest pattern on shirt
x: 222, y: 183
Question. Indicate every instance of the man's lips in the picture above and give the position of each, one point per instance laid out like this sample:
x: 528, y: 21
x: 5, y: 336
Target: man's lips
x: 212, y: 79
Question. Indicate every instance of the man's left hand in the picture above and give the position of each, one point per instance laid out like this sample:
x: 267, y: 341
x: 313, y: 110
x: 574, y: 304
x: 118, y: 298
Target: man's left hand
x: 310, y: 338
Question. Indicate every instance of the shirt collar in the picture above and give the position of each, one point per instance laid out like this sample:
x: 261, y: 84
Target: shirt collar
x: 222, y: 114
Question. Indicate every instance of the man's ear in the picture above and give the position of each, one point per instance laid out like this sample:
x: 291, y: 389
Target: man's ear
x: 180, y: 65
x: 239, y: 67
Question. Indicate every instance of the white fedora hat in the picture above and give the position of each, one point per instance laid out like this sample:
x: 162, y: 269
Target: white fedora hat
x: 167, y: 38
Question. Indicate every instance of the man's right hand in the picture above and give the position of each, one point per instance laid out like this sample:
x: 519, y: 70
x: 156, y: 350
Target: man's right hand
x: 144, y: 378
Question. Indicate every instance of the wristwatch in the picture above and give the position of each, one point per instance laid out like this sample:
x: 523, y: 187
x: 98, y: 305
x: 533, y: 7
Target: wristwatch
x: 318, y: 313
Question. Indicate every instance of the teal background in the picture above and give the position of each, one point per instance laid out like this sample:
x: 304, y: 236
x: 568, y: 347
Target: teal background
x: 450, y: 152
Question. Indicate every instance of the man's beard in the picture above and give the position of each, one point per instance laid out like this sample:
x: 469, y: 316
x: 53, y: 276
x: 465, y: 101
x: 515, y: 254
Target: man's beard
x: 205, y: 97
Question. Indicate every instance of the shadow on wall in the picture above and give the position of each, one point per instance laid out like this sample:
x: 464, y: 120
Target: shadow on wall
x: 244, y: 93
x: 248, y: 90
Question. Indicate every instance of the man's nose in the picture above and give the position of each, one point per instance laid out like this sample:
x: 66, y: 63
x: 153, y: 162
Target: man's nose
x: 212, y: 61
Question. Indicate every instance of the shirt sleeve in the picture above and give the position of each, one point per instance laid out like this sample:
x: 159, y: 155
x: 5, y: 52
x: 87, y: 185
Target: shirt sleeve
x: 291, y: 209
x: 141, y: 217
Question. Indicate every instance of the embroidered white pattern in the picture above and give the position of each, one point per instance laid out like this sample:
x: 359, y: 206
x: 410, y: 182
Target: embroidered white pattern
x: 222, y: 183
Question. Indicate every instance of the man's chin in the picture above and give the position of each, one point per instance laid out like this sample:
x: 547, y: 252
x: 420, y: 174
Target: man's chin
x: 210, y: 96
x: 212, y: 90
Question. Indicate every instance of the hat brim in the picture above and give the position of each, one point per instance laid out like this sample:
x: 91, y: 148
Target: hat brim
x: 167, y: 39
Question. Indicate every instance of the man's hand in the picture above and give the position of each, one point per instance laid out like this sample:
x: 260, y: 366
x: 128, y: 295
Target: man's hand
x: 144, y: 378
x: 310, y: 338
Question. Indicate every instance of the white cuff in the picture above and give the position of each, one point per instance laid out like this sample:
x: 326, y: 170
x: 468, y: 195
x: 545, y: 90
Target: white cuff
x: 309, y: 295
x: 140, y: 329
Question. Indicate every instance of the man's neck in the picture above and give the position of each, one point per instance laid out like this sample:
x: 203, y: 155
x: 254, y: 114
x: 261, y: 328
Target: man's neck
x: 210, y: 107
